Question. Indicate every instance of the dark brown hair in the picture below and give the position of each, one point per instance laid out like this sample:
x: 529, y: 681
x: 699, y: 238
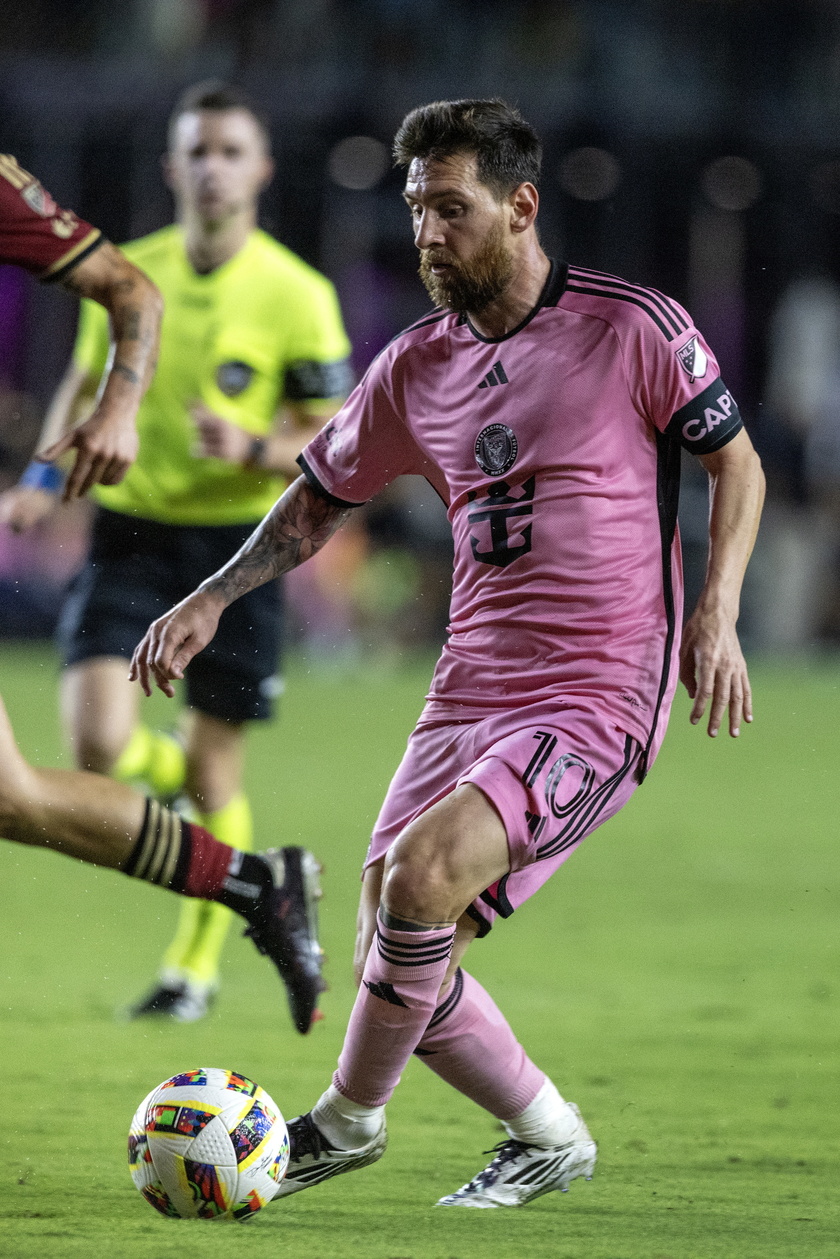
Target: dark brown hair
x: 507, y: 149
x: 215, y: 94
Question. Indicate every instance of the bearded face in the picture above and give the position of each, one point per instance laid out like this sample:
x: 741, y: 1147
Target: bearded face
x: 469, y: 287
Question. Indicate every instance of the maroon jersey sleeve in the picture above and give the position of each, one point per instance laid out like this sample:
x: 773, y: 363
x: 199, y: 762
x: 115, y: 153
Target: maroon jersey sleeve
x: 35, y: 233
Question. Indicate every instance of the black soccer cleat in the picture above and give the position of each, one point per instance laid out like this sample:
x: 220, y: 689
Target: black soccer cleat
x: 180, y: 1001
x: 313, y: 1159
x: 284, y: 927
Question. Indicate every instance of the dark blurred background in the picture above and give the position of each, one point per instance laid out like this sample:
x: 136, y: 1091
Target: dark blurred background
x: 694, y: 147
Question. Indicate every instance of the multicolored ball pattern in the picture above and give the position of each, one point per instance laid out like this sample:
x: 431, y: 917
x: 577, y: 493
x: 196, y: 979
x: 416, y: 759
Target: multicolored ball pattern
x: 208, y: 1144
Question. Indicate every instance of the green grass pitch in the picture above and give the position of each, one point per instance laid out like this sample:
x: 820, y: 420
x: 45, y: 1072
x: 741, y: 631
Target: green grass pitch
x: 680, y: 980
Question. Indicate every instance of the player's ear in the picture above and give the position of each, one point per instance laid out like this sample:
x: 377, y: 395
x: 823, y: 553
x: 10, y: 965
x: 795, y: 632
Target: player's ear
x: 167, y: 166
x: 524, y: 203
x: 269, y: 167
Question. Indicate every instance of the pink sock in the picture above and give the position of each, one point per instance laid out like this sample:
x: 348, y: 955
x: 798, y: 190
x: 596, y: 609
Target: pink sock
x: 397, y: 997
x: 469, y: 1043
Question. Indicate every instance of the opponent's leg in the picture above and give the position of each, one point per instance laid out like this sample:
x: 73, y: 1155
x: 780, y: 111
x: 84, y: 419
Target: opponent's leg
x: 107, y: 823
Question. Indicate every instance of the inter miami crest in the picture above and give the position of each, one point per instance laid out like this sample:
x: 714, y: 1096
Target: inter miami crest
x: 234, y: 377
x: 693, y: 359
x: 496, y: 449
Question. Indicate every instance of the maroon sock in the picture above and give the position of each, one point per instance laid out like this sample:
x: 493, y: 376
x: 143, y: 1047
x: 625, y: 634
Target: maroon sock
x: 177, y: 854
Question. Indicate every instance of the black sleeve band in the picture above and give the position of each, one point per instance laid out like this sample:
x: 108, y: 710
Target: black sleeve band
x: 64, y: 270
x: 319, y: 488
x: 308, y: 379
x: 708, y: 422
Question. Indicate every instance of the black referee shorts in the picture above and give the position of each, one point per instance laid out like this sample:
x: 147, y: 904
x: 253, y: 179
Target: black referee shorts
x: 136, y: 570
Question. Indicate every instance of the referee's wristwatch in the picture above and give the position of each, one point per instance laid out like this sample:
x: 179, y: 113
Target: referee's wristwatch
x: 256, y: 453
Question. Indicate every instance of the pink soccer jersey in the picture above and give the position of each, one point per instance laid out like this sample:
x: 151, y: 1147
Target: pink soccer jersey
x: 556, y: 449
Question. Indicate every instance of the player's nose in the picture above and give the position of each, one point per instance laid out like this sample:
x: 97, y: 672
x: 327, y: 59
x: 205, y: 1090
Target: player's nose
x: 428, y: 230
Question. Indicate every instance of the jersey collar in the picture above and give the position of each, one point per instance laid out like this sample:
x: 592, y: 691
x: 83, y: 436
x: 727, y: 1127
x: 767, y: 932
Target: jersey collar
x: 553, y: 290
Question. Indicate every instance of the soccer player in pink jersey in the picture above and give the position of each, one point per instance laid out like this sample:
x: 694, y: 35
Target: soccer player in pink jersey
x: 547, y: 405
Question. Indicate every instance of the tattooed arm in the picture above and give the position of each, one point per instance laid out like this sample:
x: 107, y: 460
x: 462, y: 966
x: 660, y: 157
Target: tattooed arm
x: 106, y: 443
x: 299, y: 524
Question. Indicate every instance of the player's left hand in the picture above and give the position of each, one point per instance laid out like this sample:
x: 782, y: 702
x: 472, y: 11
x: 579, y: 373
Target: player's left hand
x: 218, y: 438
x: 106, y: 447
x: 712, y: 668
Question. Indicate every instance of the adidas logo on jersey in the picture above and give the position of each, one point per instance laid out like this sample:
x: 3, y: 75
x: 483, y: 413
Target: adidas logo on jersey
x: 496, y: 376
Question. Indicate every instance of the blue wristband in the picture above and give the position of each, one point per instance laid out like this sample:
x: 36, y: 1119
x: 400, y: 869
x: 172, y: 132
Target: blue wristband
x: 43, y: 476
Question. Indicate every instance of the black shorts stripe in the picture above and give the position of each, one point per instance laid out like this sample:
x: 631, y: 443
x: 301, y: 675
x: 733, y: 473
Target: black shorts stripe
x: 584, y: 816
x: 669, y: 309
x: 624, y: 297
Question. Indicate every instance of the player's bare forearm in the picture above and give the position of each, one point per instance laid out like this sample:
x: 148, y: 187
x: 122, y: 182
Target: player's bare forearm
x: 106, y: 444
x: 135, y: 307
x: 299, y: 525
x: 712, y: 666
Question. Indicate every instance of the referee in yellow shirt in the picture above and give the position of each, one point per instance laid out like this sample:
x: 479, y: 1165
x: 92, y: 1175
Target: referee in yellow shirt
x: 253, y: 359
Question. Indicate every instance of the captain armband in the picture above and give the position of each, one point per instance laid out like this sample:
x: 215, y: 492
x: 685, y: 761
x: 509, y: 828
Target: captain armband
x: 708, y: 422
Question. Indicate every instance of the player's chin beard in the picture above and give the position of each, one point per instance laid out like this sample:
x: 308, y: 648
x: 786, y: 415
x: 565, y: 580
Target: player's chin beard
x: 470, y: 287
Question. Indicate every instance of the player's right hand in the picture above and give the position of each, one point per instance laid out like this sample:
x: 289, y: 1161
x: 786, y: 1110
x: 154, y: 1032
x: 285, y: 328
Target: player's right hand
x: 106, y: 446
x: 23, y: 506
x: 171, y: 641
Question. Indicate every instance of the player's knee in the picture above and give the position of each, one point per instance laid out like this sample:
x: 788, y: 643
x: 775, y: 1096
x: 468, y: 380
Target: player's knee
x: 96, y: 753
x: 16, y: 793
x: 421, y: 886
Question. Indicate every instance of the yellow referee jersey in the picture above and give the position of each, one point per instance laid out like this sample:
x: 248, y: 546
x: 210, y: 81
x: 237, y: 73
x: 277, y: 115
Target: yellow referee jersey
x: 261, y: 329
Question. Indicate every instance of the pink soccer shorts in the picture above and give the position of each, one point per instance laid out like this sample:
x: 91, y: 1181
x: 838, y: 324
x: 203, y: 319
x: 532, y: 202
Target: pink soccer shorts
x: 554, y: 772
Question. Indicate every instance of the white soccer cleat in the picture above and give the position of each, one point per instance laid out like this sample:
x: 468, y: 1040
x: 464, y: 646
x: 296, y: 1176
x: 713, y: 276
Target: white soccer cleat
x: 519, y: 1172
x: 313, y: 1159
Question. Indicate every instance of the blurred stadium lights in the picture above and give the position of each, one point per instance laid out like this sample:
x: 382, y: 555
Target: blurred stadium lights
x: 825, y: 186
x: 731, y: 183
x: 589, y: 174
x: 358, y: 162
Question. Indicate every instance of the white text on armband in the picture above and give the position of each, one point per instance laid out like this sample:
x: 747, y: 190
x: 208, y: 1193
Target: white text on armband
x: 697, y: 428
x: 707, y: 422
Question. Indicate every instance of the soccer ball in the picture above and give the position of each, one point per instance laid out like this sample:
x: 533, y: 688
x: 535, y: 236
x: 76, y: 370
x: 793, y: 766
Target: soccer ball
x: 208, y: 1144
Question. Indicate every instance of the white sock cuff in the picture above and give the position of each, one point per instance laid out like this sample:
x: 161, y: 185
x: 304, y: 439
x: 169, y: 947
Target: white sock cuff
x: 347, y: 1108
x: 547, y: 1120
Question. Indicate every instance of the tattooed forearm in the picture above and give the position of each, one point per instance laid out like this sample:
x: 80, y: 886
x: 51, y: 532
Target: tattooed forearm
x: 298, y: 525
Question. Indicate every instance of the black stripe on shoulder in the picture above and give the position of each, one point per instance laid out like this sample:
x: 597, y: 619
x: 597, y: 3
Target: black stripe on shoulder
x: 624, y: 297
x: 661, y: 300
x: 319, y: 488
x: 421, y: 323
x: 611, y: 282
